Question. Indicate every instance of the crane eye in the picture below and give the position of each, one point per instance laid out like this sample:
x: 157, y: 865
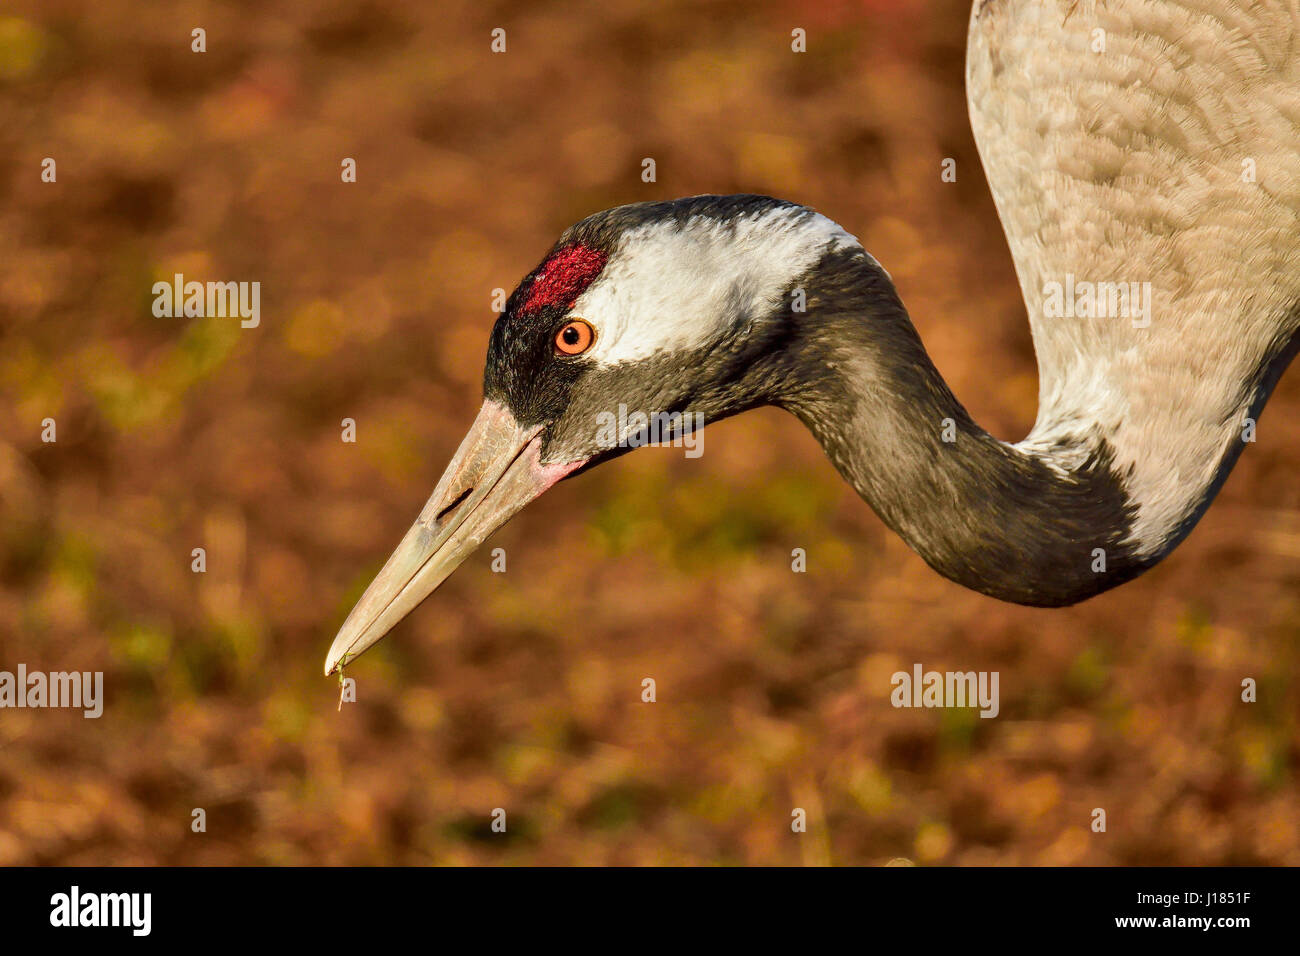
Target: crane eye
x: 574, y: 338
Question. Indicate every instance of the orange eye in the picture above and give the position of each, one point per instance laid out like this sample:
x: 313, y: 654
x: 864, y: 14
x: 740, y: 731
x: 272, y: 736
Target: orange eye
x: 575, y: 338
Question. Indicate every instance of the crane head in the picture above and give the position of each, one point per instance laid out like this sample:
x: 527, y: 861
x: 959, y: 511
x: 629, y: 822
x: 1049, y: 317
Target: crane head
x: 666, y: 312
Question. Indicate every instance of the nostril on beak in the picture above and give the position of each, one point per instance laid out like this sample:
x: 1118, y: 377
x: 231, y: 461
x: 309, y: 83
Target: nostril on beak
x: 460, y: 498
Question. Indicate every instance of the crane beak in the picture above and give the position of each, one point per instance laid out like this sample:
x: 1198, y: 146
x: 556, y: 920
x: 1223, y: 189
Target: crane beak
x: 496, y: 471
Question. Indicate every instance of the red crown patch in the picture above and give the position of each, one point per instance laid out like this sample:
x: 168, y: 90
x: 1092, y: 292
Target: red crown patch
x: 565, y: 276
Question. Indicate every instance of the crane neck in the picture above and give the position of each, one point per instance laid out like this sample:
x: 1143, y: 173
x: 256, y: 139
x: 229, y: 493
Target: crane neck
x: 1036, y: 527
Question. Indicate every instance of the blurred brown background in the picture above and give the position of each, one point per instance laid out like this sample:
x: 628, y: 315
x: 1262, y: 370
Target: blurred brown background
x: 522, y: 690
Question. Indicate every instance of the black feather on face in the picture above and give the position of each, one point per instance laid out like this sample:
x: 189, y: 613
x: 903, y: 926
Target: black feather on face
x: 526, y: 374
x: 523, y: 373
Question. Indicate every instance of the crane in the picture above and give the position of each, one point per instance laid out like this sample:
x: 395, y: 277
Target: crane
x: 1142, y: 156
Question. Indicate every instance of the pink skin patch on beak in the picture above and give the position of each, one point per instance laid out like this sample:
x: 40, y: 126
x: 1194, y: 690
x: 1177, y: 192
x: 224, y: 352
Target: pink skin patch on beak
x: 550, y: 475
x: 564, y: 277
